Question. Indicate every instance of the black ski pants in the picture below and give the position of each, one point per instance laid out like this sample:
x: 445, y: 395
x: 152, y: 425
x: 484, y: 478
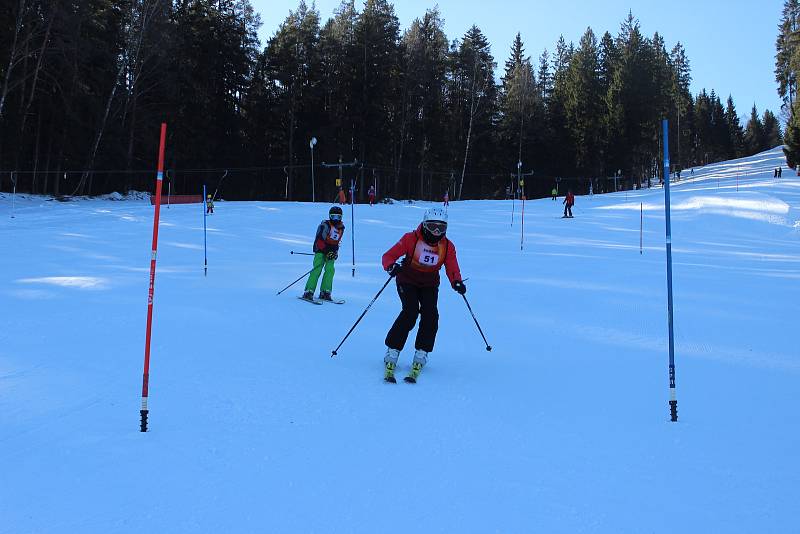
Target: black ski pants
x: 567, y: 210
x: 416, y: 301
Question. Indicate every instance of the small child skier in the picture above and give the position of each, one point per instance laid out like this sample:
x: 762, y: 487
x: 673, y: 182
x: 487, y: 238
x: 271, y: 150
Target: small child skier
x: 426, y: 250
x: 446, y: 198
x: 569, y: 201
x: 371, y: 194
x: 326, y: 251
x: 554, y: 193
x: 209, y: 205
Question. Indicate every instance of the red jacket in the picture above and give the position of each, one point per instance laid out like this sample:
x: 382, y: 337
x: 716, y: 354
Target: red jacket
x: 569, y: 200
x: 422, y: 262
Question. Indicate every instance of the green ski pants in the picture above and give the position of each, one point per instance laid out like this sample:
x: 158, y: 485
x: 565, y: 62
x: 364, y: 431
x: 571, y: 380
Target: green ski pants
x: 327, y: 279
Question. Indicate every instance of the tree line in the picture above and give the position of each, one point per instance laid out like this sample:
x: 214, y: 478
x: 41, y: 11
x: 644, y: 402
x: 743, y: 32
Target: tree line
x: 85, y: 84
x: 787, y: 64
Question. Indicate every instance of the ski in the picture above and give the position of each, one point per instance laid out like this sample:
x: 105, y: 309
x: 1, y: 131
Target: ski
x: 333, y: 301
x: 311, y: 301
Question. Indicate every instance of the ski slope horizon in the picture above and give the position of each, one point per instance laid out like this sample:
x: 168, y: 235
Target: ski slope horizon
x: 563, y: 427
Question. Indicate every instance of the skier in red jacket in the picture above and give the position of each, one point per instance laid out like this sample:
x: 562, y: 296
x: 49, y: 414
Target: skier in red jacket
x: 426, y: 250
x: 569, y: 201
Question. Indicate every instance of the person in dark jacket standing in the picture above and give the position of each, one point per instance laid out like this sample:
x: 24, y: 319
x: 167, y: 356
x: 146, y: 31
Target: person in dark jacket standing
x: 425, y: 251
x: 569, y: 201
x: 326, y: 251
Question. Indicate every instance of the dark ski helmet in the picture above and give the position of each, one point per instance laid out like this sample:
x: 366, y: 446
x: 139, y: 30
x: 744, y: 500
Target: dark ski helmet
x: 335, y: 213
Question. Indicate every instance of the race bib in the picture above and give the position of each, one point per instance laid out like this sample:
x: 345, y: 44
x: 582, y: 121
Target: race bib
x: 427, y: 256
x: 334, y: 234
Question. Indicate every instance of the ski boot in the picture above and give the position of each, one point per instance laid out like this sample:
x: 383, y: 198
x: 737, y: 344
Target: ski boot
x: 390, y: 364
x: 308, y: 295
x: 416, y: 368
x: 388, y: 376
x: 420, y: 359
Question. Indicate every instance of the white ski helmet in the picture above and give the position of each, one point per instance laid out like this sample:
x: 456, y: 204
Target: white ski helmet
x: 434, y: 225
x: 435, y: 214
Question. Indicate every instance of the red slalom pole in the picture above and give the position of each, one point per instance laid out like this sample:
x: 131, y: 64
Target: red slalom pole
x: 146, y: 375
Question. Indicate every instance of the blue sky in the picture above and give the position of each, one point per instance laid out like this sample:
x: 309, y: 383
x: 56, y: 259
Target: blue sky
x: 730, y: 43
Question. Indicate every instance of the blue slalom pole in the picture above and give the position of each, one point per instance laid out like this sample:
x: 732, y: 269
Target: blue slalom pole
x: 353, y: 222
x: 673, y: 401
x: 205, y: 240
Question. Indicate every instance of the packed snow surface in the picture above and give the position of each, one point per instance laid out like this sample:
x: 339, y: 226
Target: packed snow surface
x: 563, y: 427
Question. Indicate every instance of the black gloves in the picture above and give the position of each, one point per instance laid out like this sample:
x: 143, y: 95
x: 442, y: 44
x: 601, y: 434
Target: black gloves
x: 332, y: 255
x: 459, y: 286
x: 394, y: 269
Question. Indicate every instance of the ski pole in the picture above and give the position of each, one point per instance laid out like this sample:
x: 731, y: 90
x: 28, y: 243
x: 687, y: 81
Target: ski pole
x: 293, y: 283
x: 214, y: 196
x: 301, y: 253
x: 334, y: 352
x: 488, y: 347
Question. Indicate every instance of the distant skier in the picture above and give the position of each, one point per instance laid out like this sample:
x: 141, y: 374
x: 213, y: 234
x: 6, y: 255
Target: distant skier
x: 425, y: 251
x: 341, y: 197
x: 508, y: 192
x: 326, y: 251
x: 446, y: 198
x: 780, y: 172
x: 371, y: 195
x: 569, y: 201
x: 554, y: 193
x: 209, y: 205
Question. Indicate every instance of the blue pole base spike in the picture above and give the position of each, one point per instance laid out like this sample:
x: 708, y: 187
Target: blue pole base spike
x: 673, y: 410
x: 143, y: 422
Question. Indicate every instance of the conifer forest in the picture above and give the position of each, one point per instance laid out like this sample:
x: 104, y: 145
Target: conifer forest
x: 84, y: 86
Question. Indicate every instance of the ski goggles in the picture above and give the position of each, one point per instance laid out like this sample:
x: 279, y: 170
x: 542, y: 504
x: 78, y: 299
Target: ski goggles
x: 335, y: 216
x: 436, y: 228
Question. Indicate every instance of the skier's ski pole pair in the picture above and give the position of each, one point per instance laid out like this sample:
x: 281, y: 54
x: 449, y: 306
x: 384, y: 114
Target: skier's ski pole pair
x: 424, y: 251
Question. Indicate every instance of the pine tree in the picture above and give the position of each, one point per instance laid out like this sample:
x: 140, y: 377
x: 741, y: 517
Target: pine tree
x: 792, y: 140
x: 682, y: 99
x: 584, y: 105
x: 772, y: 131
x: 377, y: 35
x: 787, y: 58
x: 423, y: 119
x: 635, y: 103
x: 544, y: 79
x: 754, y: 134
x: 518, y: 110
x: 473, y: 98
x: 735, y: 132
x: 559, y: 140
x: 293, y: 68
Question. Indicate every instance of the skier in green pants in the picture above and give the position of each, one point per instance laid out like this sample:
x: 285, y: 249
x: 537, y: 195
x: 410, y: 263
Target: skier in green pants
x: 326, y: 250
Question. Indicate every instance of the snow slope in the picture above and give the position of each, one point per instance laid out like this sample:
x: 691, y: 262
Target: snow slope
x: 563, y: 427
